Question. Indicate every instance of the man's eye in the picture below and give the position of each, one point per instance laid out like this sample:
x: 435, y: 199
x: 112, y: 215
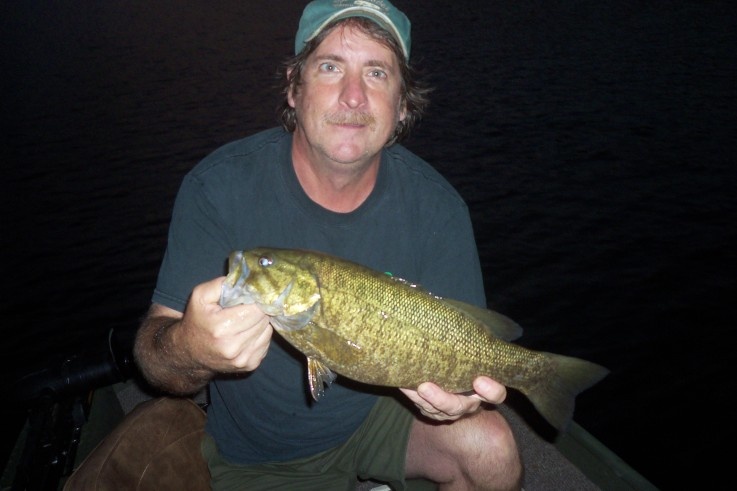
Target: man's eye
x: 327, y: 67
x: 377, y: 73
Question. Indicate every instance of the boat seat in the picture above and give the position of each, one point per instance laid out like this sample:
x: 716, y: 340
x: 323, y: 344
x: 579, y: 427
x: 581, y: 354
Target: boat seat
x: 155, y: 447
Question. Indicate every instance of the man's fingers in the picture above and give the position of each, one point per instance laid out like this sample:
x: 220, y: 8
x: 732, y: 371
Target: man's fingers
x: 209, y: 291
x: 490, y: 390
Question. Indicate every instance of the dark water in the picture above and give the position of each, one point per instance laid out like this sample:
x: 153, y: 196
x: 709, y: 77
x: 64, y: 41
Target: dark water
x: 595, y: 143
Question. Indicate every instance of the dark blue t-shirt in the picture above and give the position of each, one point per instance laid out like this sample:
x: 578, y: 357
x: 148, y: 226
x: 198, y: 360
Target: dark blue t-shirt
x: 246, y: 194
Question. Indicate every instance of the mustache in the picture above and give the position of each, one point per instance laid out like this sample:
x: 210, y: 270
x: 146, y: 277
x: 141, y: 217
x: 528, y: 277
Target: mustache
x: 354, y: 118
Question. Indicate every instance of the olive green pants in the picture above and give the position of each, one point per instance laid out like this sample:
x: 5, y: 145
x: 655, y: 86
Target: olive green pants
x: 376, y: 451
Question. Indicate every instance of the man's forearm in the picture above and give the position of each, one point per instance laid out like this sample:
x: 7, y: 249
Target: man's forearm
x: 163, y: 363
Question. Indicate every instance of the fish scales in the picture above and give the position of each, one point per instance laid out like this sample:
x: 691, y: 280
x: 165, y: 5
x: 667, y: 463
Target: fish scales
x: 381, y: 330
x: 434, y: 342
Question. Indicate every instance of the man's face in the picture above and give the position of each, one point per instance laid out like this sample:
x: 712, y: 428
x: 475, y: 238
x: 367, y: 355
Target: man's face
x: 348, y: 104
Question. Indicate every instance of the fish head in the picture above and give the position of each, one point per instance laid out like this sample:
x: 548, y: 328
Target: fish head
x: 278, y: 281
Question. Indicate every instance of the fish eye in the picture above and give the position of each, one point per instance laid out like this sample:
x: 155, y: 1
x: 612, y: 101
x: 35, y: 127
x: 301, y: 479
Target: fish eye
x: 264, y: 261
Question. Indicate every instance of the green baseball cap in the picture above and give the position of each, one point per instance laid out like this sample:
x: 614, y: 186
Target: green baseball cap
x: 319, y: 13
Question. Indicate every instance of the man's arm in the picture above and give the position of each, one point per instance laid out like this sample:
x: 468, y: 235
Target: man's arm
x: 180, y: 353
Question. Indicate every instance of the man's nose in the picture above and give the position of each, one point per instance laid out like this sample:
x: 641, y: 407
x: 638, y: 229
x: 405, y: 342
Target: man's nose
x: 354, y: 91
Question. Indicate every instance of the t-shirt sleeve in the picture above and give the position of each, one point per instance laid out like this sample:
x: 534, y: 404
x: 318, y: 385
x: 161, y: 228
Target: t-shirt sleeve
x: 197, y: 246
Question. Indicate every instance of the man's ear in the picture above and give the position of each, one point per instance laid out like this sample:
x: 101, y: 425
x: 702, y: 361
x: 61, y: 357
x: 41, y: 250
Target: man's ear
x: 290, y: 92
x: 402, y: 110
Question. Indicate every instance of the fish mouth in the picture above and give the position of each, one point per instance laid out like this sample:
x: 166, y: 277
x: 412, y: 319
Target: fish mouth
x: 234, y: 290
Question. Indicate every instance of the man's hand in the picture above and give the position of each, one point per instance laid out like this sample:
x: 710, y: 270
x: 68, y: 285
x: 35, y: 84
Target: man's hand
x: 180, y: 353
x: 435, y: 403
x: 228, y: 339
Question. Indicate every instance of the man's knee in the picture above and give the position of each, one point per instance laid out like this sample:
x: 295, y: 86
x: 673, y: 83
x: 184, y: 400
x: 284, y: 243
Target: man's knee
x: 478, y: 451
x: 489, y: 451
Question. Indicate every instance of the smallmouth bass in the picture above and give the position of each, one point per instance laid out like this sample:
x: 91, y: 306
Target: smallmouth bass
x: 381, y: 330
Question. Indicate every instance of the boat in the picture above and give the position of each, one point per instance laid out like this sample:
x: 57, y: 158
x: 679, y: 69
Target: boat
x: 71, y: 405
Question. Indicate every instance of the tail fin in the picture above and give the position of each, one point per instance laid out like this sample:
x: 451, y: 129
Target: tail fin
x: 555, y: 398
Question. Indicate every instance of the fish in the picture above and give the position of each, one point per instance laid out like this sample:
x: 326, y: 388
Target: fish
x: 379, y: 329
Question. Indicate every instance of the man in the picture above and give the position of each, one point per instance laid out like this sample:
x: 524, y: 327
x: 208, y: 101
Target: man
x: 331, y: 180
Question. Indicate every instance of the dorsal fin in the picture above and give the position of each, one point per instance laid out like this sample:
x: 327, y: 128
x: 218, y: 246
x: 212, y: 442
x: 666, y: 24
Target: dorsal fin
x: 500, y: 325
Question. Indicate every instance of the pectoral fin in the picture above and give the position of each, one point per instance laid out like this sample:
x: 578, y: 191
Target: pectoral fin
x: 318, y: 376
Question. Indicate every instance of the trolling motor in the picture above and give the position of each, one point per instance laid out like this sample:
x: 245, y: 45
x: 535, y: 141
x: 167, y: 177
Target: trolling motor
x: 57, y: 399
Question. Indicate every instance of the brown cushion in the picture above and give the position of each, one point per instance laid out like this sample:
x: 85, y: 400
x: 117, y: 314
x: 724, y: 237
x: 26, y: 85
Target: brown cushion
x: 155, y: 447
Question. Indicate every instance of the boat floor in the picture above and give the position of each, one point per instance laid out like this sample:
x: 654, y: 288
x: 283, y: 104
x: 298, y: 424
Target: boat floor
x: 574, y: 461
